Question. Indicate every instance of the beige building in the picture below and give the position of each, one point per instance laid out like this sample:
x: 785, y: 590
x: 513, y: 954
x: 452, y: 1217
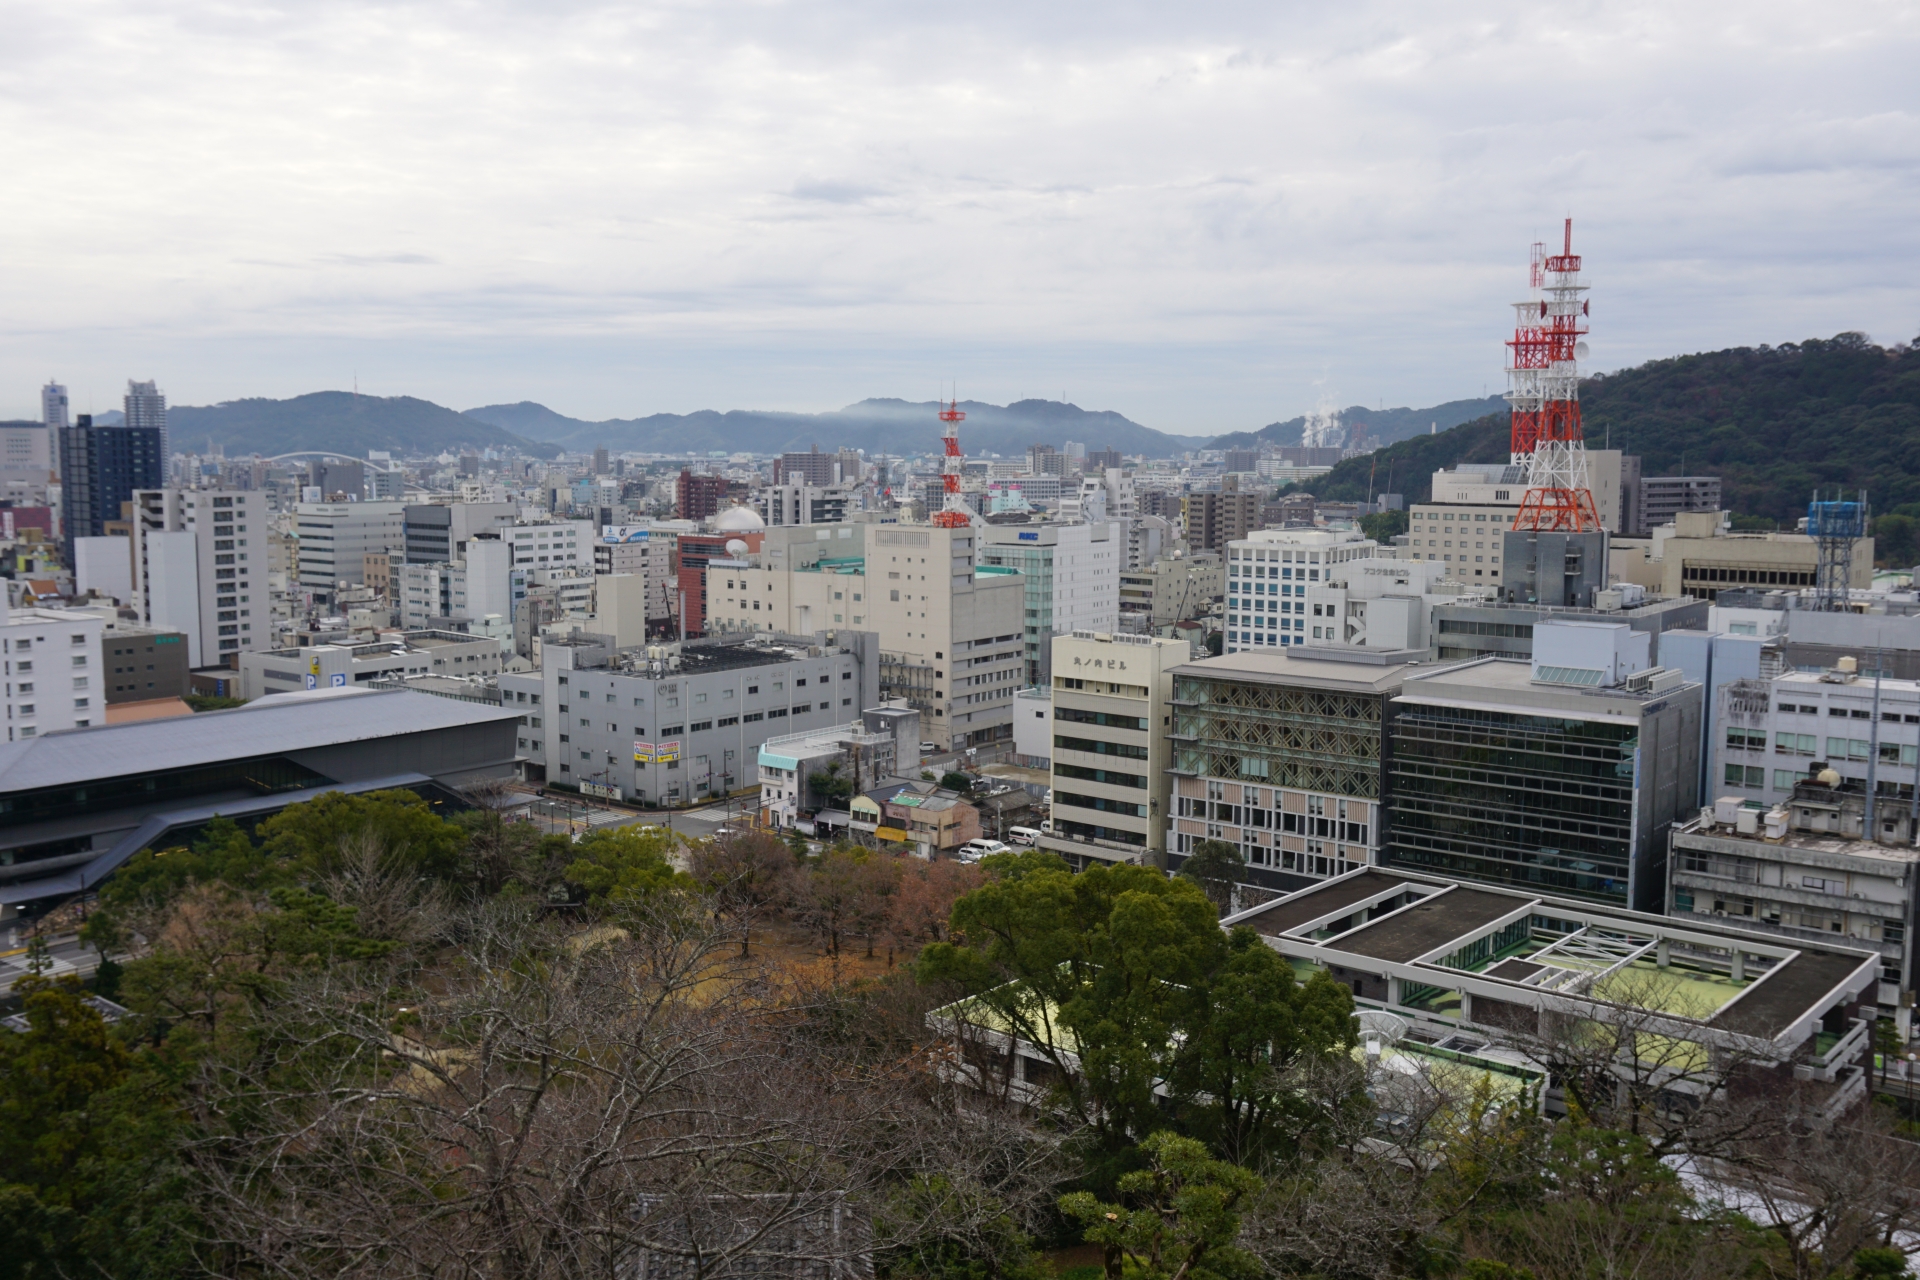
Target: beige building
x: 1111, y: 753
x: 1473, y: 504
x: 1176, y: 587
x: 951, y: 630
x: 1697, y: 555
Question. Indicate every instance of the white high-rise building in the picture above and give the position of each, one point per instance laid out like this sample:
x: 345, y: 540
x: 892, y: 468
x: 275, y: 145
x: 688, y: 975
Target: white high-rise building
x: 200, y: 561
x: 53, y: 674
x: 146, y: 407
x: 335, y: 538
x: 53, y: 406
x: 1071, y: 574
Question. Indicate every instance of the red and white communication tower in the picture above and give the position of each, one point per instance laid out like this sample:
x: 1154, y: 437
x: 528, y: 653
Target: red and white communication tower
x: 954, y: 513
x: 1543, y: 387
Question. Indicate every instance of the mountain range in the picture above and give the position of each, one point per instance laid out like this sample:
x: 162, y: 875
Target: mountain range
x: 1774, y: 423
x: 1385, y: 425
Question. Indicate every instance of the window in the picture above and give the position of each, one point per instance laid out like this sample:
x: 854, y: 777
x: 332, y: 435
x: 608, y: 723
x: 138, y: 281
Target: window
x: 1747, y: 739
x: 1745, y: 776
x: 1794, y: 744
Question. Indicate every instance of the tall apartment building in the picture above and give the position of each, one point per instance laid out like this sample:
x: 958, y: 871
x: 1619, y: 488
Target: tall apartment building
x: 1268, y: 579
x: 697, y: 497
x: 53, y: 406
x: 335, y: 538
x: 820, y: 470
x: 145, y: 407
x: 100, y: 467
x: 1213, y: 518
x: 1283, y: 755
x: 200, y: 569
x: 1112, y: 696
x: 1045, y: 460
x: 1664, y: 497
x: 1597, y: 759
x: 1071, y: 577
x: 798, y: 502
x: 951, y: 628
x: 1174, y: 588
x: 53, y: 678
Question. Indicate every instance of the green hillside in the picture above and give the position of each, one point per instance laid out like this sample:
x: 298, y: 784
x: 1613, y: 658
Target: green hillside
x: 1773, y: 422
x: 339, y: 420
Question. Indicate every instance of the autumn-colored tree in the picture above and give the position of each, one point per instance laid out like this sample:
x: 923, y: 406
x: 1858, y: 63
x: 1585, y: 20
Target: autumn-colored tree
x: 748, y: 873
x: 923, y: 901
x: 846, y: 890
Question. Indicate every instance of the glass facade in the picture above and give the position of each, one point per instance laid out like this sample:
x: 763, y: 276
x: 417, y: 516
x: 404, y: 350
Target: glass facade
x: 1527, y: 801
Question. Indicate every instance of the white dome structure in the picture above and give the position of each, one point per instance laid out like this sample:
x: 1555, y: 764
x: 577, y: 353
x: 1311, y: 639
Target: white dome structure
x: 738, y: 519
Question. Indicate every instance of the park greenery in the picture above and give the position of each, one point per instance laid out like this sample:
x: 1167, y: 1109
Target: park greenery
x: 366, y: 1037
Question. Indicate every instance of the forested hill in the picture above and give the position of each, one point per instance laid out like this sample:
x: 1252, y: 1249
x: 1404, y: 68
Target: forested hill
x: 1773, y: 422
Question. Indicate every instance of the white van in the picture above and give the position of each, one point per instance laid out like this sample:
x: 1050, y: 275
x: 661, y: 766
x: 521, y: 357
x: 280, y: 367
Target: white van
x: 974, y: 850
x: 1023, y: 835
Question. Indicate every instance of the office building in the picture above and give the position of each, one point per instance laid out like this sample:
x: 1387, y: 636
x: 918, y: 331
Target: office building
x: 1070, y: 574
x: 1472, y: 627
x: 1598, y: 758
x: 1175, y: 588
x: 682, y: 722
x: 338, y: 479
x: 146, y: 409
x: 431, y: 596
x: 1214, y: 518
x: 335, y: 538
x: 1699, y: 555
x: 951, y: 629
x: 396, y: 655
x: 200, y: 569
x: 696, y: 497
x: 1769, y: 732
x: 647, y: 551
x: 1045, y: 460
x: 1282, y: 755
x: 100, y: 467
x: 1112, y: 707
x: 75, y: 806
x: 816, y: 469
x: 1808, y: 870
x: 1033, y: 728
x: 53, y: 407
x: 142, y: 664
x: 1662, y: 498
x: 53, y: 670
x: 436, y: 533
x: 26, y: 460
x: 1714, y: 662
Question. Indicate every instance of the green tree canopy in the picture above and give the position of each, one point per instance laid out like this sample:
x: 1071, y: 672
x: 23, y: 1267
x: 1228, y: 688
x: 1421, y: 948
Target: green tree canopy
x: 623, y: 864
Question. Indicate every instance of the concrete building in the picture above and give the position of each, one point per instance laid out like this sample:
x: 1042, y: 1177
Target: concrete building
x: 104, y: 566
x: 544, y: 546
x: 1597, y: 759
x: 1112, y: 709
x: 696, y: 497
x: 436, y: 533
x: 861, y: 752
x: 1496, y: 490
x: 347, y: 666
x: 1177, y: 587
x: 54, y: 679
x: 1698, y: 555
x: 1214, y: 518
x: 200, y: 562
x: 1477, y: 628
x: 821, y: 470
x: 1268, y: 576
x: 140, y: 664
x: 682, y: 722
x: 146, y: 410
x: 645, y: 550
x: 1282, y: 753
x: 335, y: 538
x: 1070, y: 574
x: 75, y: 806
x: 53, y: 406
x: 798, y: 502
x: 1033, y: 728
x: 1661, y: 498
x: 952, y: 633
x: 26, y: 455
x: 1769, y: 732
x: 1807, y: 869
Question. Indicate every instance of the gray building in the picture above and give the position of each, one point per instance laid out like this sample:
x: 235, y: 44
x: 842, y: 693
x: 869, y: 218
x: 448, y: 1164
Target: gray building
x: 668, y: 725
x: 1480, y: 629
x: 1664, y: 497
x: 74, y: 806
x: 350, y: 666
x: 1531, y: 777
x: 434, y: 533
x: 1563, y: 569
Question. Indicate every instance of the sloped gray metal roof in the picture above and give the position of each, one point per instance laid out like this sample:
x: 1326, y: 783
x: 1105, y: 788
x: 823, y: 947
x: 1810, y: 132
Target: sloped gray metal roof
x: 268, y: 726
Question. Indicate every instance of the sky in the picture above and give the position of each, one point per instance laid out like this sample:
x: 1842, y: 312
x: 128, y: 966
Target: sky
x: 1204, y: 216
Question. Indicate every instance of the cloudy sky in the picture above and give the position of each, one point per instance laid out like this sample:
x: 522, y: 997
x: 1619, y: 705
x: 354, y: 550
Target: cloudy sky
x: 1205, y: 216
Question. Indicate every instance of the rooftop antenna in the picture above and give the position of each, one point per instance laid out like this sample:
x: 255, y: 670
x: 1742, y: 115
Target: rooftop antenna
x: 1543, y: 387
x: 954, y: 512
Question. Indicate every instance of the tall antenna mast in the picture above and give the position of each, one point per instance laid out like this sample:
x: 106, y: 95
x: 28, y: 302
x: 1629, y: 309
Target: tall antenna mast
x: 954, y: 512
x: 1543, y: 386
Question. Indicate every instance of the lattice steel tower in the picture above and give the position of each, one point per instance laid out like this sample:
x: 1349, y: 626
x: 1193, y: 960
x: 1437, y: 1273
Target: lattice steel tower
x: 954, y: 513
x: 1835, y: 526
x: 1543, y: 387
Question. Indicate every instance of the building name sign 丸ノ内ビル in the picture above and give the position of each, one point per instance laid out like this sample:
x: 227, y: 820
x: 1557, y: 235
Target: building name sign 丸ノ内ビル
x: 1105, y: 664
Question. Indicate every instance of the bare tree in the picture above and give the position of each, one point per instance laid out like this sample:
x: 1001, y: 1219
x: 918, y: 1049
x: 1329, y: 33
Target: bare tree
x: 390, y: 902
x: 547, y: 1105
x: 748, y: 874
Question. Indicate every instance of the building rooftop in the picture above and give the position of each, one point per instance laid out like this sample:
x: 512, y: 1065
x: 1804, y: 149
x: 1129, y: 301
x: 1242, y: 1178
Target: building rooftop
x: 1368, y: 673
x: 269, y: 726
x: 1509, y: 682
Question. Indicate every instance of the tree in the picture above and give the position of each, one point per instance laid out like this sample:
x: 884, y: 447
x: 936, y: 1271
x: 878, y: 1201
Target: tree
x: 923, y: 901
x: 1175, y: 1219
x: 1254, y: 1023
x: 1384, y: 526
x: 622, y: 864
x: 137, y: 897
x: 747, y: 874
x: 845, y: 891
x: 1215, y: 866
x: 1095, y: 971
x: 955, y: 780
x: 828, y: 785
x: 312, y: 835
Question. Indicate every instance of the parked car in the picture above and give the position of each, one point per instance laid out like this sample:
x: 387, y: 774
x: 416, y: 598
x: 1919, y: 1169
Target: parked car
x: 1023, y: 835
x: 974, y: 850
x: 929, y: 748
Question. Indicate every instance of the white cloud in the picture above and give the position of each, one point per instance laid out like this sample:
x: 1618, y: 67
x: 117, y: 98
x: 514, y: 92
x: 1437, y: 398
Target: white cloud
x: 1186, y: 214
